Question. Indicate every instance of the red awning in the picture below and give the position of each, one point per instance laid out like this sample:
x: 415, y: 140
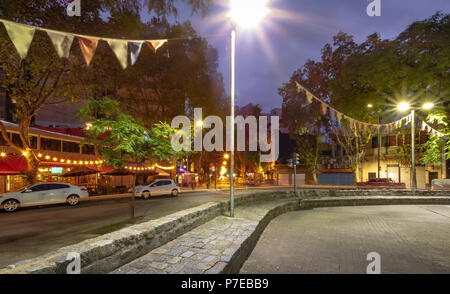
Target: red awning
x: 6, y: 169
x: 107, y: 169
x: 13, y: 165
x: 65, y: 131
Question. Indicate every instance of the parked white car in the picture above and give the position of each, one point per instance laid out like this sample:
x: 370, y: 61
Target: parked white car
x: 43, y: 194
x: 156, y: 188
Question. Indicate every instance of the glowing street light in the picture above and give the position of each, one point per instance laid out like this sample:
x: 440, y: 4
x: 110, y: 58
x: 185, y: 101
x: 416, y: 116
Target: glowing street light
x: 428, y: 106
x: 248, y: 13
x: 226, y: 156
x: 370, y: 105
x: 245, y: 14
x: 404, y: 106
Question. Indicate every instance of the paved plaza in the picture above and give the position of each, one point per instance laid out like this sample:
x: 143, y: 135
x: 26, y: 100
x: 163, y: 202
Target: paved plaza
x: 410, y: 239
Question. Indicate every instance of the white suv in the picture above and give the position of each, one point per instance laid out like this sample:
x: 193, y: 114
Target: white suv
x: 43, y: 194
x: 157, y: 187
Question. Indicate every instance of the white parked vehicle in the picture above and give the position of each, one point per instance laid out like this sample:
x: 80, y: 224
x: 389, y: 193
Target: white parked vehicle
x: 156, y: 188
x: 43, y: 194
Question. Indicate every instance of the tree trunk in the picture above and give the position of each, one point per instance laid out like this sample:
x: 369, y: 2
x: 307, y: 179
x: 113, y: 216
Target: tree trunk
x: 133, y: 197
x: 314, y: 177
x: 33, y: 167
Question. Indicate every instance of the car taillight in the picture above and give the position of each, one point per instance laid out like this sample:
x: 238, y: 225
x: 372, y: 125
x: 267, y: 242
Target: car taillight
x: 83, y: 189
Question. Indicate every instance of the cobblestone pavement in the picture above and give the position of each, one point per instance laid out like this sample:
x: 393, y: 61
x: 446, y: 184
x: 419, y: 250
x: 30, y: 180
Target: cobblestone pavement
x: 206, y: 249
x: 410, y: 239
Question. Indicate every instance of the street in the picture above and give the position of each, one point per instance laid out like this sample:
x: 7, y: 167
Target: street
x: 31, y: 232
x: 337, y: 240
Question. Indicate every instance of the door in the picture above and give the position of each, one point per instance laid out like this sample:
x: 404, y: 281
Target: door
x: 57, y: 192
x: 166, y: 187
x: 155, y: 189
x: 35, y: 195
x: 393, y: 172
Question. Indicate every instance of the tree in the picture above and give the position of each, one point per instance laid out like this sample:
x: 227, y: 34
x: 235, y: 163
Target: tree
x: 304, y: 120
x: 43, y: 78
x: 181, y: 76
x: 414, y: 66
x: 40, y: 79
x: 437, y: 146
x: 121, y: 140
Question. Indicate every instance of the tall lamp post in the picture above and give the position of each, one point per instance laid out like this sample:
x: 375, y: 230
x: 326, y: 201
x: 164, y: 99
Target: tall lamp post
x: 246, y: 14
x: 404, y: 106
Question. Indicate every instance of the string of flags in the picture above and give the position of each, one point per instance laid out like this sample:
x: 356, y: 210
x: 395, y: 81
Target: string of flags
x: 22, y: 35
x: 354, y: 123
x: 427, y: 128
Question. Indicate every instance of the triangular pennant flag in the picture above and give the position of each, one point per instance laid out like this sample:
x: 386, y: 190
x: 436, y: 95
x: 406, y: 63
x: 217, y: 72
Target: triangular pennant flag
x: 21, y: 36
x: 120, y: 48
x: 332, y: 114
x: 135, y: 50
x: 339, y: 116
x: 424, y: 126
x: 62, y: 43
x: 156, y: 44
x: 324, y: 108
x: 299, y: 87
x: 88, y: 47
x: 309, y: 97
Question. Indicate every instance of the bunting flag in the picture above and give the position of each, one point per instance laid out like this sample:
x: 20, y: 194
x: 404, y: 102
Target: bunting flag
x: 429, y: 129
x: 120, y: 49
x: 61, y: 42
x: 309, y: 97
x: 21, y: 36
x: 135, y: 50
x: 88, y: 47
x: 156, y: 44
x: 324, y: 108
x: 332, y: 114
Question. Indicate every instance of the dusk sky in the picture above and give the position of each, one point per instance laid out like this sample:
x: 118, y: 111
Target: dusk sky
x: 297, y: 30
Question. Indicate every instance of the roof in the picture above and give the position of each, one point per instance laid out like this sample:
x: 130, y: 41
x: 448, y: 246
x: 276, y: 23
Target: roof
x: 53, y: 133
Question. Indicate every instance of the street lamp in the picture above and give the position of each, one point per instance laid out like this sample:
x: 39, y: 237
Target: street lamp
x: 379, y: 143
x: 404, y: 106
x: 246, y: 14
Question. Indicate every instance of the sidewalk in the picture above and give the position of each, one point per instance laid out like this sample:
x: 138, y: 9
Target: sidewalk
x: 206, y: 249
x: 223, y: 244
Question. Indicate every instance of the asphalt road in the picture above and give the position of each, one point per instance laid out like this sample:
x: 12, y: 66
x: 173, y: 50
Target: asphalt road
x: 31, y: 232
x: 34, y: 231
x: 337, y: 240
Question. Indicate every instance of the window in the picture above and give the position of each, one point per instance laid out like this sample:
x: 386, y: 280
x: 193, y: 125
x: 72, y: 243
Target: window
x: 375, y: 142
x: 393, y: 141
x: 88, y: 149
x: 372, y: 177
x: 33, y: 142
x: 50, y: 144
x: 71, y: 147
x: 15, y: 138
x: 41, y: 187
x: 56, y: 186
x: 2, y: 140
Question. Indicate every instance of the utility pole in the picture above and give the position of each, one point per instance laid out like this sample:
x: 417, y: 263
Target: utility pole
x: 413, y: 151
x: 379, y: 148
x: 294, y: 163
